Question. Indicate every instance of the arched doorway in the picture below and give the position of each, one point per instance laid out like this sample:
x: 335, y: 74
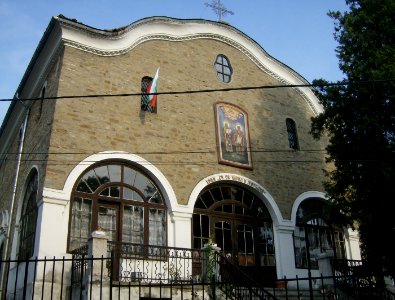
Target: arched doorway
x: 240, y: 224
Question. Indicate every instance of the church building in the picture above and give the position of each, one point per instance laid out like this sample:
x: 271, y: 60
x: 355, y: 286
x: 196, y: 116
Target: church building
x: 167, y: 133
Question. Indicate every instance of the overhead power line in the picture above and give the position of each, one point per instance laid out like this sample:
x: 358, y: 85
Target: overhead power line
x: 262, y: 87
x: 56, y: 162
x: 208, y: 151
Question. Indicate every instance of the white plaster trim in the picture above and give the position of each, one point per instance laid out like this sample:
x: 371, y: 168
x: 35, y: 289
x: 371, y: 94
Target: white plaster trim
x: 54, y: 194
x: 104, y: 43
x: 250, y: 184
x: 301, y: 198
x: 180, y: 215
x: 153, y: 172
x: 60, y: 202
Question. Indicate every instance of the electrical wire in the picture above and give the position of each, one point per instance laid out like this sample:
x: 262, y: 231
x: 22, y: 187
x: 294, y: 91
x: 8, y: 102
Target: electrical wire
x: 204, y: 91
x: 258, y: 150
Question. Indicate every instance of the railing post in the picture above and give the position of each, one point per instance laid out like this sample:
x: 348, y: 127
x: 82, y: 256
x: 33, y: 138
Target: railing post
x: 25, y: 278
x: 97, y: 249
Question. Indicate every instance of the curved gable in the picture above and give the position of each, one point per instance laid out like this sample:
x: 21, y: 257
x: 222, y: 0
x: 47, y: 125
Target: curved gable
x: 123, y: 40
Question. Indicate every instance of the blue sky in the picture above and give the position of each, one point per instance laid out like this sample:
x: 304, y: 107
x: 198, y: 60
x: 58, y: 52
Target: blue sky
x: 296, y: 32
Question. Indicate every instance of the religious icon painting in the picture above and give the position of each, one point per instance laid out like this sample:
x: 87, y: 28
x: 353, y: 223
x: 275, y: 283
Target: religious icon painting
x: 233, y: 138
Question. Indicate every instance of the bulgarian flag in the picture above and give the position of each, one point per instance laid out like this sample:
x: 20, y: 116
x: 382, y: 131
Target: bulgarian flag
x: 152, y: 89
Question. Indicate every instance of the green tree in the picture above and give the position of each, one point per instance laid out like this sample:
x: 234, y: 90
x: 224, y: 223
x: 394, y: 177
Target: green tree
x: 359, y: 119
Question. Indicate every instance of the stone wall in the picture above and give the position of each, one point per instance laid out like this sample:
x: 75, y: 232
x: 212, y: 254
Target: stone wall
x: 184, y: 122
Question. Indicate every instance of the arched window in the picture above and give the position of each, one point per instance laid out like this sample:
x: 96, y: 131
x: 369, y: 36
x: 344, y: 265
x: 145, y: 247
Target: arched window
x: 314, y: 235
x: 223, y: 68
x: 292, y: 134
x: 28, y: 220
x: 122, y: 201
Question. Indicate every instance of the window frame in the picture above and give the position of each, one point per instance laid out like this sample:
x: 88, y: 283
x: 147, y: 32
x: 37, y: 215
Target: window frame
x: 220, y: 68
x: 97, y: 198
x: 145, y: 82
x: 293, y: 140
x: 28, y: 218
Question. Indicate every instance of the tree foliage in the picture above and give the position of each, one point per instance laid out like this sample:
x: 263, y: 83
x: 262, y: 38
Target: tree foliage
x: 359, y: 119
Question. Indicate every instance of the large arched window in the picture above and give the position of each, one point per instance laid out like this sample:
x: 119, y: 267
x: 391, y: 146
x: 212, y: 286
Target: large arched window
x: 315, y: 235
x: 122, y: 201
x: 28, y: 220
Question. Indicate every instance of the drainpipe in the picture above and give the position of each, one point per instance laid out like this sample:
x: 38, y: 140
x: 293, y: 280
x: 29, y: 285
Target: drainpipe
x: 15, y: 185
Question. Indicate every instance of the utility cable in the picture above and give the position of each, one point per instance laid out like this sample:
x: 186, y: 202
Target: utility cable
x: 205, y: 90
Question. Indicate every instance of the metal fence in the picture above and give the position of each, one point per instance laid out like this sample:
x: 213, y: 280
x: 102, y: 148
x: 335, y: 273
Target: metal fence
x: 146, y: 272
x: 155, y: 264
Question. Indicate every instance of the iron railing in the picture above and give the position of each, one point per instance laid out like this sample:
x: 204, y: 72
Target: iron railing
x: 154, y: 264
x: 166, y: 273
x: 234, y: 282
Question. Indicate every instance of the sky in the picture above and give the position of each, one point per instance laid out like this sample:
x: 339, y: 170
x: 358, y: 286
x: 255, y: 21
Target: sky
x: 296, y: 32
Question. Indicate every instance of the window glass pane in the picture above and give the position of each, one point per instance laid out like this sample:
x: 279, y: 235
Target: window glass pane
x: 133, y: 224
x: 200, y: 204
x: 340, y: 245
x: 83, y: 187
x: 80, y: 222
x: 102, y: 174
x: 201, y: 230
x: 105, y: 192
x: 115, y: 191
x: 247, y: 199
x: 216, y: 194
x: 226, y: 193
x: 91, y: 181
x: 131, y: 195
x: 300, y: 248
x: 141, y: 182
x: 115, y: 173
x: 245, y: 243
x: 129, y: 176
x: 225, y: 208
x: 157, y: 227
x: 207, y: 199
x: 265, y: 242
x: 239, y: 210
x: 107, y: 220
x: 223, y: 236
x: 156, y: 198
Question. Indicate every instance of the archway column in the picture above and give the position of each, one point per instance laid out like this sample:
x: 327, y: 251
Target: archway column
x: 51, y: 239
x: 180, y: 229
x: 284, y: 248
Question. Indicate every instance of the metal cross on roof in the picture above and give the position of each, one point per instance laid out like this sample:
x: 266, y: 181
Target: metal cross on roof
x: 219, y: 9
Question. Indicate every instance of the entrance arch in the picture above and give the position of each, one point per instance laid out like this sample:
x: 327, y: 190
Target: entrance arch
x: 234, y: 216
